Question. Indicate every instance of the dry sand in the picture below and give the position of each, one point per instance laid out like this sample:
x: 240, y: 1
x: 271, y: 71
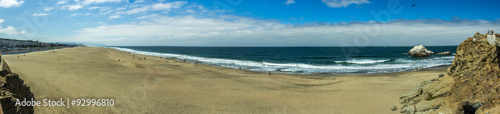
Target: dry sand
x: 159, y: 85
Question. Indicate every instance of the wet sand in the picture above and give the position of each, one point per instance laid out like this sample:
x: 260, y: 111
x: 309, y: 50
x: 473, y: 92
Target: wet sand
x: 159, y: 85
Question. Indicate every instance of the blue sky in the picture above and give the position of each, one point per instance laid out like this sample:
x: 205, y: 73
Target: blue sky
x: 248, y: 22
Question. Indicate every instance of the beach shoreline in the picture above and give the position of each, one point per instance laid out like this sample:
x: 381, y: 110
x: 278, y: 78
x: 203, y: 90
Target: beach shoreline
x: 161, y: 85
x: 277, y: 67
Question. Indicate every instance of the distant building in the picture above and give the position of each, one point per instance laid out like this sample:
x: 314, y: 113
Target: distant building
x: 490, y: 36
x: 12, y: 44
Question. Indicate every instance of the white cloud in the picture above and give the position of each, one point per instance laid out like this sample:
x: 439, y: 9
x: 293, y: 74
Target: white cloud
x: 115, y: 16
x: 288, y: 2
x: 167, y: 6
x: 75, y: 14
x: 343, y: 3
x: 11, y: 32
x: 88, y: 2
x: 105, y: 12
x: 85, y: 3
x: 73, y: 7
x: 40, y: 14
x: 239, y: 31
x: 10, y: 3
x: 101, y: 9
x: 138, y: 1
x: 119, y: 9
x: 78, y: 14
x: 149, y: 16
x: 48, y: 8
x: 94, y: 7
x: 62, y: 2
x: 136, y: 10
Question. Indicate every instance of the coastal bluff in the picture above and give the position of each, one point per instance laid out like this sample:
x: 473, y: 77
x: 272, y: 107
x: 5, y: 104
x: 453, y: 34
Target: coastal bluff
x: 471, y: 84
x: 12, y: 88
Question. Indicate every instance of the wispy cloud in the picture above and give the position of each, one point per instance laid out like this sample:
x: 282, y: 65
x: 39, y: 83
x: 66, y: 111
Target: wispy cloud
x: 167, y: 6
x: 100, y: 8
x: 88, y: 2
x: 73, y: 7
x: 154, y: 7
x: 343, y: 3
x: 240, y: 31
x: 288, y: 2
x: 40, y: 14
x: 78, y: 14
x: 10, y: 3
x: 62, y: 2
x: 115, y: 16
x: 138, y: 1
x: 80, y: 4
x: 11, y: 32
x: 48, y: 8
x: 136, y: 10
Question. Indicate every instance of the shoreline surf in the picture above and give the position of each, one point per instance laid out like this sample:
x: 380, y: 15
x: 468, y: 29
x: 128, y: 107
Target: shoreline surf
x: 347, y: 67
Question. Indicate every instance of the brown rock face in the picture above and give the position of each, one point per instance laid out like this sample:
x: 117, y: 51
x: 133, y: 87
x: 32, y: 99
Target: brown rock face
x: 497, y: 42
x: 12, y: 88
x: 476, y: 72
x: 476, y: 82
x: 473, y: 54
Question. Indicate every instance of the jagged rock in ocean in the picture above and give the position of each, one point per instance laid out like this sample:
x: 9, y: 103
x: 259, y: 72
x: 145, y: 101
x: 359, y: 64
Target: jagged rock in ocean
x: 444, y: 53
x: 472, y: 83
x: 420, y: 51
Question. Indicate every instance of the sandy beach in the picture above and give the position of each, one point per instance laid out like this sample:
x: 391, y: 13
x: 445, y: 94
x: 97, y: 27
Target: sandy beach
x: 160, y: 85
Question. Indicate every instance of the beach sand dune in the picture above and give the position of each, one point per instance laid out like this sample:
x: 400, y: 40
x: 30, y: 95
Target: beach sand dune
x: 159, y: 85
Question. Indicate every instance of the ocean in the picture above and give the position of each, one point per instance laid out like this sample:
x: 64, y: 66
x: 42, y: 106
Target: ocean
x: 304, y: 60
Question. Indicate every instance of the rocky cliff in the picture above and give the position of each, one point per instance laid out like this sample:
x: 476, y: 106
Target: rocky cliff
x: 13, y: 88
x: 472, y: 83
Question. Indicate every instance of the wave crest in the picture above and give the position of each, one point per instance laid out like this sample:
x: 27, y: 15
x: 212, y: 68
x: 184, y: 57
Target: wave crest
x: 339, y: 67
x: 362, y: 61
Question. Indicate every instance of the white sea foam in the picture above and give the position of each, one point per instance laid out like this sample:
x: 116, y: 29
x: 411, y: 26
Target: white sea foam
x: 363, y: 61
x: 365, y: 65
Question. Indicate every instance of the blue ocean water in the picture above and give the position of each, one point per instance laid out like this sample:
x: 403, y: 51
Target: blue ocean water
x: 303, y: 60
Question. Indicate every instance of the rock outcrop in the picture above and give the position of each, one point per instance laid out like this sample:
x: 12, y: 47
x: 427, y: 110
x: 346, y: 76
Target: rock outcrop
x: 429, y: 95
x: 472, y: 83
x: 420, y: 51
x: 444, y: 53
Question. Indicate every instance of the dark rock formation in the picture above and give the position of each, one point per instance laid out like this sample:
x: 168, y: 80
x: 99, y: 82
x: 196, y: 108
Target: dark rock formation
x: 420, y: 51
x: 497, y: 42
x: 474, y: 76
x: 12, y: 89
